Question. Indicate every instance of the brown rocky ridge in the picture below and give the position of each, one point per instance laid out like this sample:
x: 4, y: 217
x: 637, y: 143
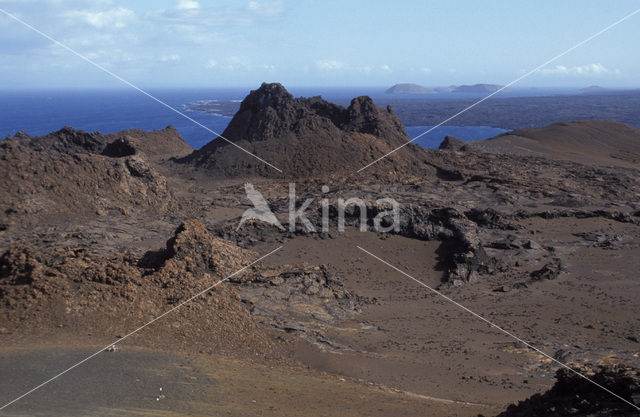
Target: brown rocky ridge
x: 77, y: 172
x: 307, y: 137
x: 43, y: 288
x: 599, y: 142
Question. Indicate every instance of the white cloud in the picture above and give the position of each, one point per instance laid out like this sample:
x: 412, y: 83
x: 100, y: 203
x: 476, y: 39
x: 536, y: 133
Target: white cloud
x: 266, y: 8
x: 190, y: 14
x: 589, y: 69
x: 187, y: 5
x: 426, y: 70
x: 385, y: 68
x: 113, y: 18
x: 170, y: 58
x: 329, y: 64
x: 234, y: 63
x: 109, y: 57
x: 238, y: 62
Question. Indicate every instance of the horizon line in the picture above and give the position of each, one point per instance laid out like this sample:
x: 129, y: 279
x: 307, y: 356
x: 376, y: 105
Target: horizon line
x: 251, y: 86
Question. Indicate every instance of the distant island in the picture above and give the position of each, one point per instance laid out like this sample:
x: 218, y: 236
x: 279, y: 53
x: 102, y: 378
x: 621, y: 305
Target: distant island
x: 409, y: 88
x: 478, y: 88
x: 594, y: 89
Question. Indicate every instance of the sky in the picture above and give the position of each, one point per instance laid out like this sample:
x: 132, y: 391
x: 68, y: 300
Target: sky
x: 189, y: 43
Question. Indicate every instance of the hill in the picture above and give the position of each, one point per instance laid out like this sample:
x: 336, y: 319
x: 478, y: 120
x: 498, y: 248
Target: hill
x: 477, y: 88
x: 594, y: 89
x: 76, y: 172
x: 585, y: 141
x: 157, y: 145
x: 306, y: 137
x: 409, y: 88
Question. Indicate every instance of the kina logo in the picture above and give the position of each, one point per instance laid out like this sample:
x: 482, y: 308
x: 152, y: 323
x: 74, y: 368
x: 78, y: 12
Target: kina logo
x: 260, y: 210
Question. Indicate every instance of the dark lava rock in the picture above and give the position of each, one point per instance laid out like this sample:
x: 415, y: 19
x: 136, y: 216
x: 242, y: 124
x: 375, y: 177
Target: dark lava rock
x: 66, y: 140
x: 156, y: 145
x: 140, y: 168
x: 601, y: 239
x: 451, y: 143
x: 119, y: 148
x: 490, y: 218
x: 573, y: 395
x: 509, y: 242
x: 514, y: 242
x: 363, y: 116
x: 549, y: 271
x: 461, y: 252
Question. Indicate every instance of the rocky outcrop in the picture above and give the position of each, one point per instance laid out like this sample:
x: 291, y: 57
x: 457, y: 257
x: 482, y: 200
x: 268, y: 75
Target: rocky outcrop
x: 195, y: 250
x: 461, y: 253
x: 66, y: 140
x: 303, y: 299
x: 73, y: 172
x: 119, y: 148
x: 572, y: 395
x: 451, y: 143
x: 43, y: 287
x: 550, y: 270
x: 156, y: 145
x: 307, y: 136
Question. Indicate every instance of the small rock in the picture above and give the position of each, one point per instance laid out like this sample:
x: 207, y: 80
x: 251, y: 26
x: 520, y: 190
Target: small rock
x: 548, y: 271
x: 277, y: 281
x: 313, y: 289
x: 530, y: 244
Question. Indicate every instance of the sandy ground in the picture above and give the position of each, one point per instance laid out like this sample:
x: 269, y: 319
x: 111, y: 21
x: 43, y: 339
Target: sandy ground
x: 139, y: 382
x: 415, y: 341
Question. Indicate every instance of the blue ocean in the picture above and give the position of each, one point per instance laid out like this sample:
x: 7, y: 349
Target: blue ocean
x: 109, y: 111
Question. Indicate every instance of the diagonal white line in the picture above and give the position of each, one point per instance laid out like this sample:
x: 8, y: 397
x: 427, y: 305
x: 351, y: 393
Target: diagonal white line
x: 139, y: 328
x: 116, y: 76
x: 513, y: 336
x: 579, y: 44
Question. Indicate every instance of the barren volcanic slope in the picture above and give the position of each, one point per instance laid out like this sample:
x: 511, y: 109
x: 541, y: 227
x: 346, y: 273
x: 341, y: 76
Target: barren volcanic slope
x: 76, y: 172
x: 586, y: 141
x: 306, y: 137
x: 104, y: 233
